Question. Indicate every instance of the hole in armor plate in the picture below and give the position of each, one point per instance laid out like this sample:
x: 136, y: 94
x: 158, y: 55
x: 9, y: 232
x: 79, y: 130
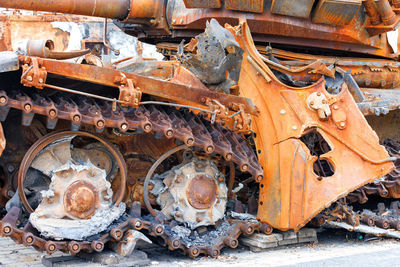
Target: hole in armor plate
x: 318, y: 146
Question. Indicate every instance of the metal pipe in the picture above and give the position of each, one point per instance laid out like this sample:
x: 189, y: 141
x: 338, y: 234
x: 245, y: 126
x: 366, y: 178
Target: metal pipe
x: 371, y: 10
x: 116, y: 9
x: 386, y: 12
x: 105, y: 40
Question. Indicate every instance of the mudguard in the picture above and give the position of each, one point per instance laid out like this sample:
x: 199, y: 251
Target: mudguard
x: 292, y: 193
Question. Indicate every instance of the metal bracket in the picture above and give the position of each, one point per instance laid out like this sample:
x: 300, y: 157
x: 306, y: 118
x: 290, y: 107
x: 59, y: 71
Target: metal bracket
x: 33, y: 74
x: 129, y: 95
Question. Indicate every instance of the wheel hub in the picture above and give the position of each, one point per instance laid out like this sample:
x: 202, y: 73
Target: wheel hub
x: 81, y: 199
x: 78, y: 203
x: 201, y: 192
x: 192, y: 193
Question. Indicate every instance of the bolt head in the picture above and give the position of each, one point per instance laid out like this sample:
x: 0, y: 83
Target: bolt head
x: 76, y: 118
x: 100, y: 124
x: 27, y: 107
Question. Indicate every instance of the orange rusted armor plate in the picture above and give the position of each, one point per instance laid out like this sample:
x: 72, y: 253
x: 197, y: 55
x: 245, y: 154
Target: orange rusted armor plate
x: 291, y: 193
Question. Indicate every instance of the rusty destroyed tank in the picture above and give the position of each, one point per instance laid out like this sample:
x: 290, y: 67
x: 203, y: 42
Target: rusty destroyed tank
x: 261, y: 116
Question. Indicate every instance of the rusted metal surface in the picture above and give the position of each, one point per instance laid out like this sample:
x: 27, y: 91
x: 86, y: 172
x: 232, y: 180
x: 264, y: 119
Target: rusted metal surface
x: 197, y: 197
x: 343, y: 29
x: 256, y: 6
x: 285, y: 126
x: 292, y: 8
x: 387, y: 186
x: 49, y: 139
x: 45, y: 49
x: 202, y: 4
x: 335, y: 12
x: 295, y: 208
x: 148, y: 85
x: 96, y: 8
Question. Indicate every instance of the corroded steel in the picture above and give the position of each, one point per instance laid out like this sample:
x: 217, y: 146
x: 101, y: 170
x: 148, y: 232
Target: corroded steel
x: 332, y: 24
x: 274, y: 132
x: 96, y: 8
x: 45, y: 49
x: 286, y: 163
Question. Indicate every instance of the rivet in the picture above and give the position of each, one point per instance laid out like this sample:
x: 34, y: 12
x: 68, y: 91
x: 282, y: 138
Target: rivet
x: 294, y: 127
x: 40, y: 80
x: 335, y: 107
x: 283, y: 111
x: 342, y: 124
x: 29, y: 78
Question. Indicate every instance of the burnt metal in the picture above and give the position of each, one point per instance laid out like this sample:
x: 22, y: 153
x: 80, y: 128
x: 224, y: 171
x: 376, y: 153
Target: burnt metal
x: 52, y: 137
x: 145, y: 119
x: 217, y: 54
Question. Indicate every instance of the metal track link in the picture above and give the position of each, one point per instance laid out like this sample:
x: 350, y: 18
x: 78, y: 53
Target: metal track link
x: 383, y: 221
x: 28, y: 236
x: 191, y: 129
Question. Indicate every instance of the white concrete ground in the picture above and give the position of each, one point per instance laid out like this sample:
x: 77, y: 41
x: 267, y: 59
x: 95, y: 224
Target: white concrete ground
x: 334, y: 249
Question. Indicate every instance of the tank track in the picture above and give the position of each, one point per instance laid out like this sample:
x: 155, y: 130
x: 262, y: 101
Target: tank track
x: 381, y: 221
x: 226, y: 236
x: 193, y: 130
x: 386, y: 186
